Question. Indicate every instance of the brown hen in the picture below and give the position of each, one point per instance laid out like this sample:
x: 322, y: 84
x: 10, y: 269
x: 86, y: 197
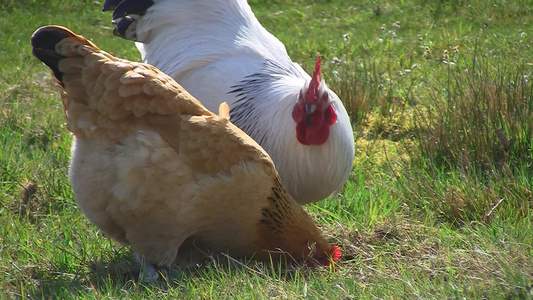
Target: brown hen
x: 154, y: 169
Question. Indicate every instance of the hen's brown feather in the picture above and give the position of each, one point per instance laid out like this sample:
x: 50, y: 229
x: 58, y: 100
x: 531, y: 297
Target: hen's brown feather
x: 153, y: 168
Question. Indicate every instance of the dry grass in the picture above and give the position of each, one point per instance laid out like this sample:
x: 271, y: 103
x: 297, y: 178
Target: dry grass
x: 475, y: 141
x: 400, y: 250
x: 482, y: 126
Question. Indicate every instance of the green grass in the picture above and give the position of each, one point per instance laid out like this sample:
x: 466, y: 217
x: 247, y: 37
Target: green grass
x: 440, y: 200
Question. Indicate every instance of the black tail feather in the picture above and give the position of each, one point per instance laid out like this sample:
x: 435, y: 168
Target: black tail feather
x: 122, y: 26
x: 127, y: 7
x: 126, y: 13
x: 44, y: 42
x: 110, y: 5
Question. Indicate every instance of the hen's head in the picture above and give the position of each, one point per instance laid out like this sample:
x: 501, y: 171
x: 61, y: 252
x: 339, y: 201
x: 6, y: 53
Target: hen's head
x: 285, y: 231
x: 314, y: 112
x: 311, y: 254
x: 316, y: 256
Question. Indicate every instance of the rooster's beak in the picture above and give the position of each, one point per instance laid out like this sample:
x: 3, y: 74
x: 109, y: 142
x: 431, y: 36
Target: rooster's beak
x: 309, y: 110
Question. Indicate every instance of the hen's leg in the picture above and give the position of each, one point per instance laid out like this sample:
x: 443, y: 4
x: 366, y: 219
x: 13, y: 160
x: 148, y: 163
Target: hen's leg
x: 148, y: 271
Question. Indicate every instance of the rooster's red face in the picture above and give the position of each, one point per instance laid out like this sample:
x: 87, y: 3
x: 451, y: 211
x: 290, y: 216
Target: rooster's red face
x: 313, y: 112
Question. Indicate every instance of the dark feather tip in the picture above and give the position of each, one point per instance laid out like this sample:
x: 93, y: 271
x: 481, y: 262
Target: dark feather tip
x: 110, y: 4
x: 127, y: 7
x: 44, y: 42
x: 122, y: 26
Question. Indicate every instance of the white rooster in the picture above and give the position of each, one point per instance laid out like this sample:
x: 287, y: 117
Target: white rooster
x: 219, y: 52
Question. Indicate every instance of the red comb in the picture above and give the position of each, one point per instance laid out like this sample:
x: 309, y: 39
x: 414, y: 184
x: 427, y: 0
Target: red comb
x: 335, y: 253
x: 312, y: 91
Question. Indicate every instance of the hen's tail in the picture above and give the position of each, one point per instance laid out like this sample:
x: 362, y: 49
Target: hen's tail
x: 103, y: 94
x: 44, y: 42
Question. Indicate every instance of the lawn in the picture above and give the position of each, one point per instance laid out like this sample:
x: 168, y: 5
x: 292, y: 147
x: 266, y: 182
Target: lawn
x: 439, y: 204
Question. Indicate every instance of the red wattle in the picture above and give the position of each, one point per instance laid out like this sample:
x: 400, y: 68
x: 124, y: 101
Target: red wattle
x: 297, y: 113
x: 318, y: 136
x: 331, y: 115
x: 336, y: 253
x: 308, y: 135
x: 300, y: 133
